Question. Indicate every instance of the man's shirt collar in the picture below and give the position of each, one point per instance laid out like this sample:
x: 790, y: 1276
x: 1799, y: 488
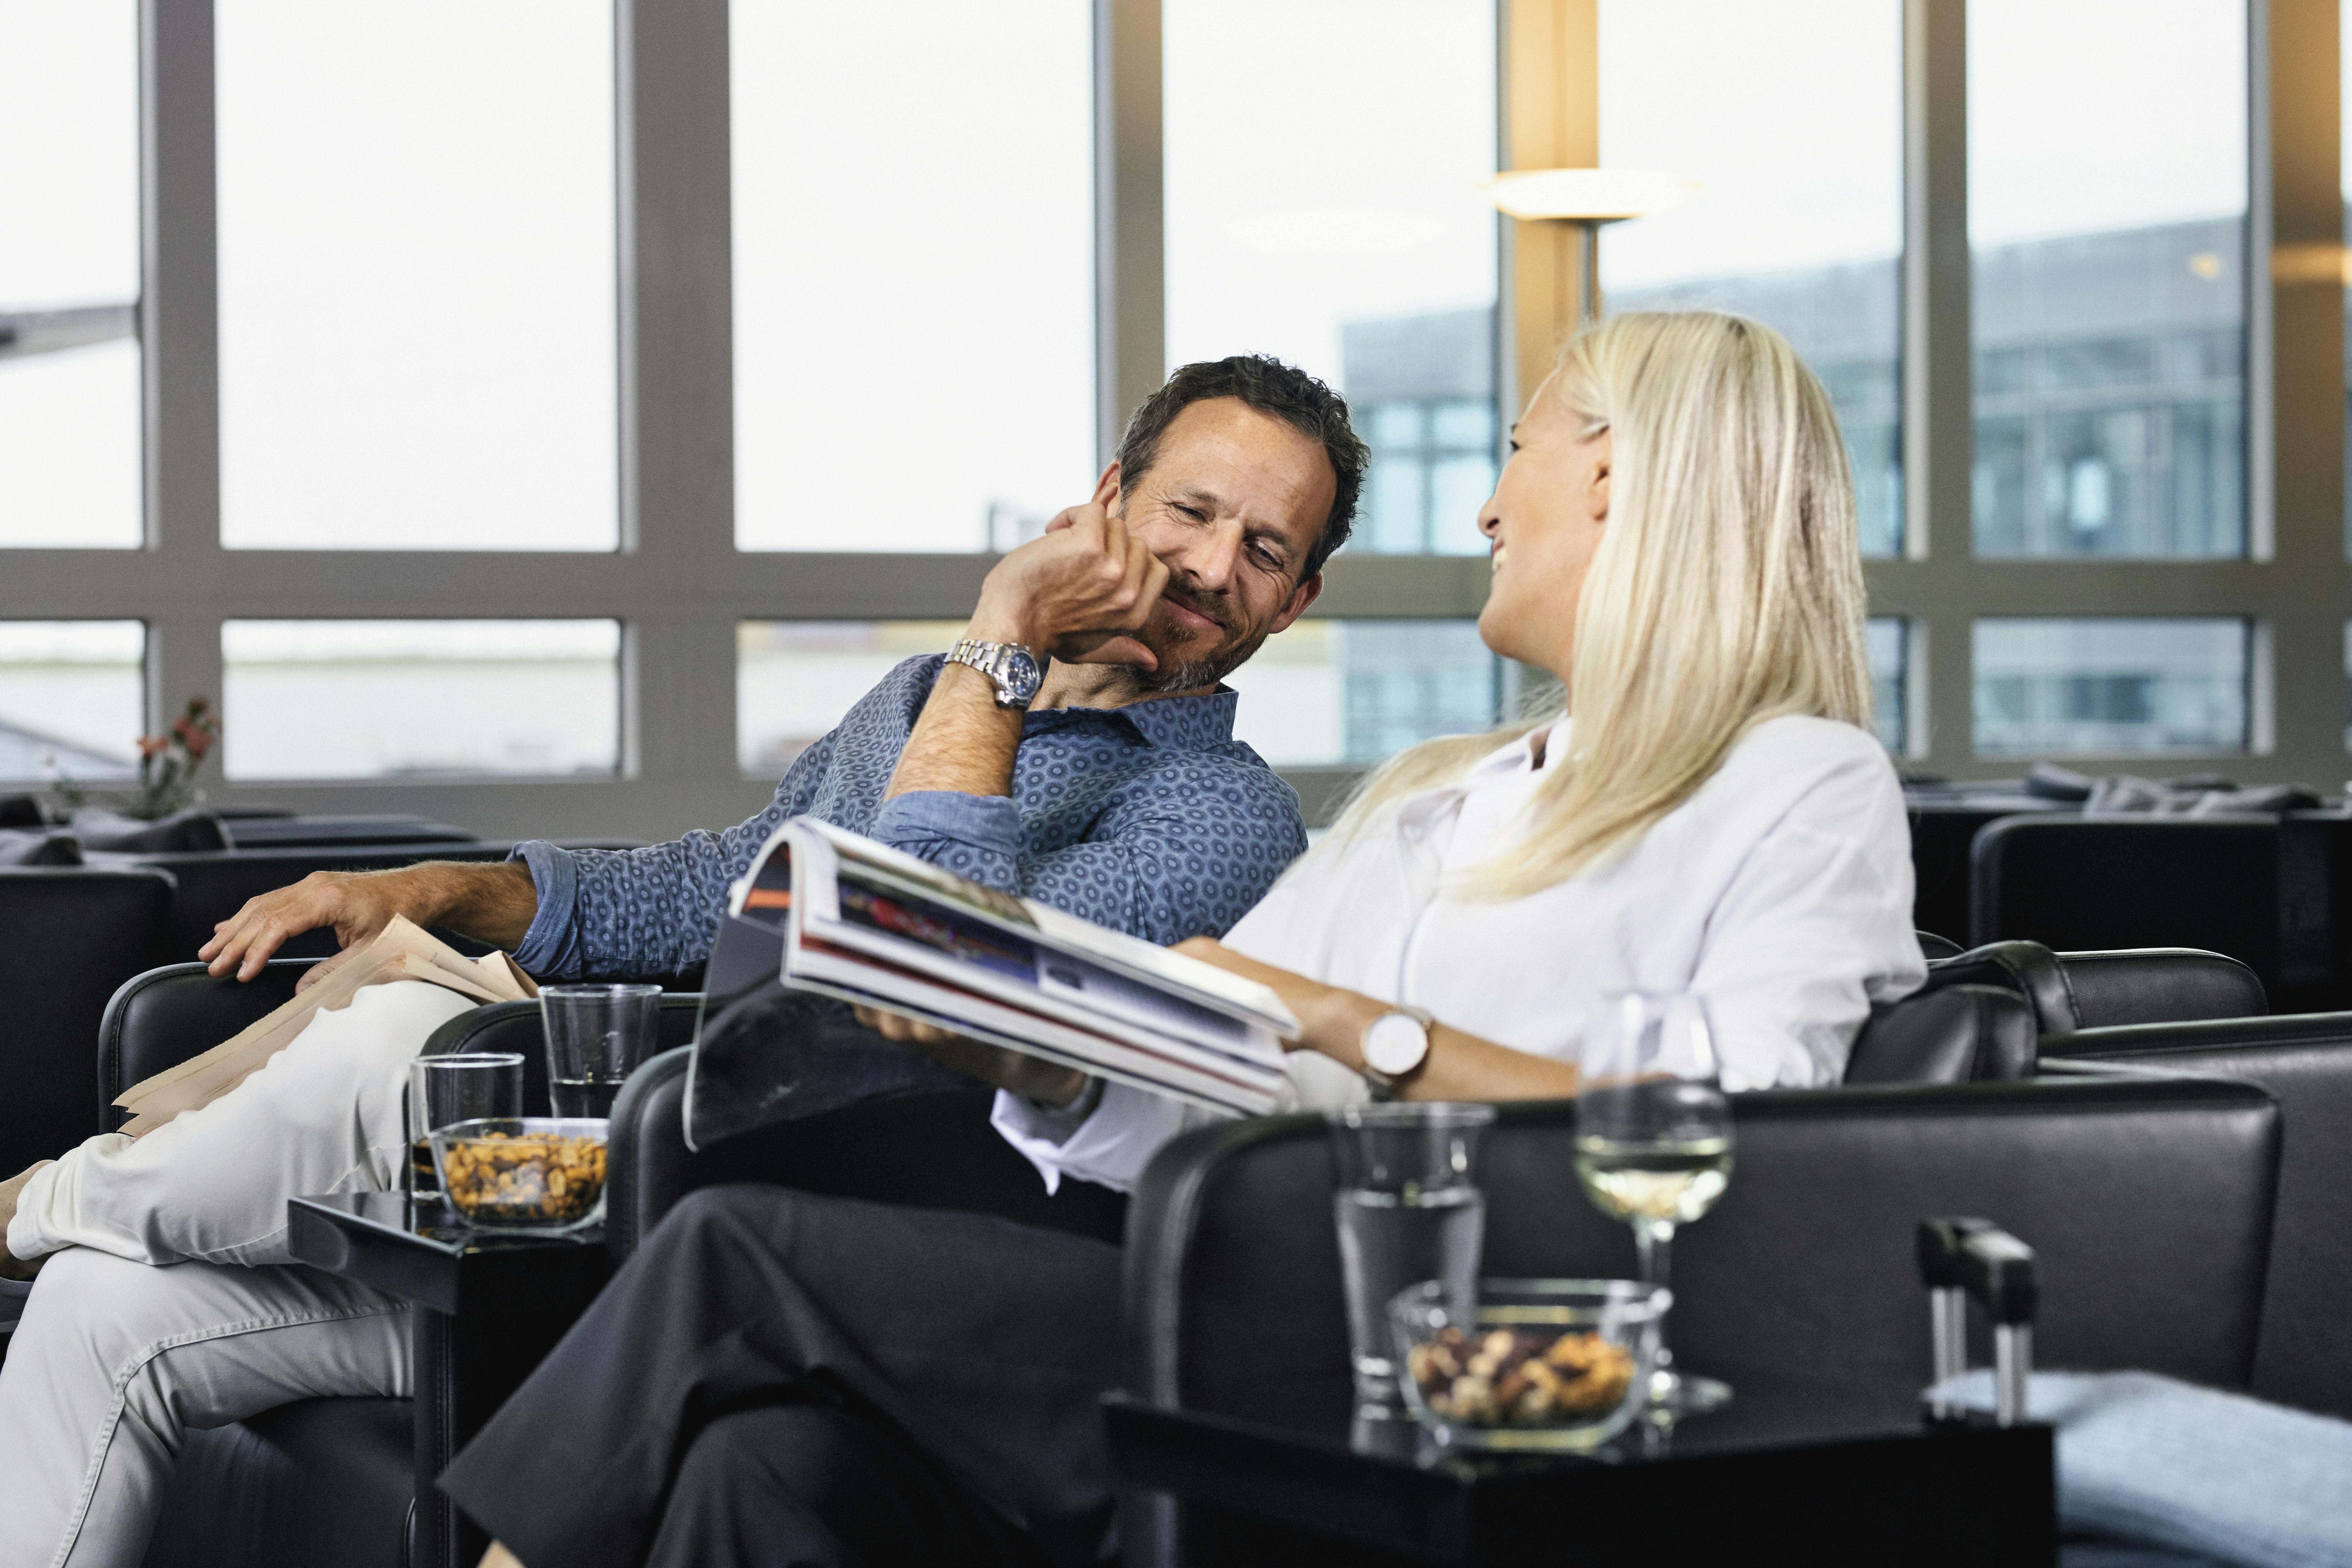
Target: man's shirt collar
x: 1185, y: 724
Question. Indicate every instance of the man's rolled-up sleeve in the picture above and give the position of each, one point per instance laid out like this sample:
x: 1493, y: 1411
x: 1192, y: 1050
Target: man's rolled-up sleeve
x: 552, y: 946
x: 653, y: 910
x: 974, y: 836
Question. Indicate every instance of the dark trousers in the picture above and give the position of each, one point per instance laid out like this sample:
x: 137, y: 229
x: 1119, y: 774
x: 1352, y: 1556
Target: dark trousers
x: 776, y: 1378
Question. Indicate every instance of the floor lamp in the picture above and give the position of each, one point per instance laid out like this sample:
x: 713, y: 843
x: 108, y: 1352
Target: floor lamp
x: 1588, y: 198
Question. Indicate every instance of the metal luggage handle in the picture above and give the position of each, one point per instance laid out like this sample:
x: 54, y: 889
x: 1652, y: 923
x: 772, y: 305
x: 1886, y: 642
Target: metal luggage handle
x: 1959, y: 1258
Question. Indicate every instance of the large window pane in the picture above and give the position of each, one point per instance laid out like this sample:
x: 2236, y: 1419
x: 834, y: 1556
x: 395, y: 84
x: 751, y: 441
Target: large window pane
x: 2106, y: 218
x: 1323, y: 694
x: 70, y: 392
x: 2110, y: 686
x: 73, y: 700
x: 914, y: 265
x: 794, y: 680
x: 1331, y: 692
x: 1792, y: 112
x: 365, y: 699
x: 1887, y: 639
x: 1322, y: 163
x: 417, y: 263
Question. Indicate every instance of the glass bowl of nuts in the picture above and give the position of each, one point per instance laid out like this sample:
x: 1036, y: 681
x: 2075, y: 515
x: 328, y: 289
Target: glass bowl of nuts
x: 523, y: 1172
x: 1530, y: 1363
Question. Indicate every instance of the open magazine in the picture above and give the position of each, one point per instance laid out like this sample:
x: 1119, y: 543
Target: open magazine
x: 401, y: 951
x: 825, y: 912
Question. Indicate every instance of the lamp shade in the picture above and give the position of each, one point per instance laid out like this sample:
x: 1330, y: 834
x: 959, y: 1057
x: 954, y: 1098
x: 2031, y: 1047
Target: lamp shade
x: 1591, y: 195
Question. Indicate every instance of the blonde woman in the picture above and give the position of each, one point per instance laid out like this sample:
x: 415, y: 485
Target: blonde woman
x: 780, y: 1377
x: 1673, y: 539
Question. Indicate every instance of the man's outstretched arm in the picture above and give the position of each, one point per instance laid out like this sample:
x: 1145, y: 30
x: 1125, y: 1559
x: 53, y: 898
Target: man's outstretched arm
x: 492, y: 903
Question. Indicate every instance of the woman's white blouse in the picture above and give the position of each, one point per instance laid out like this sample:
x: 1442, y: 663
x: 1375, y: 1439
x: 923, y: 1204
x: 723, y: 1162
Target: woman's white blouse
x: 1780, y: 892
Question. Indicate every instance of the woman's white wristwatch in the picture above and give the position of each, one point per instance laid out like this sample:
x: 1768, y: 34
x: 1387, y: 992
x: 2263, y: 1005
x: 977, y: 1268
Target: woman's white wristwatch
x: 1395, y: 1048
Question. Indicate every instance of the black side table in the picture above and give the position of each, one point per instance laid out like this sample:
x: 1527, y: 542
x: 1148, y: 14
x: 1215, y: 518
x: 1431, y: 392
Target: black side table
x: 1785, y: 1480
x: 490, y: 1307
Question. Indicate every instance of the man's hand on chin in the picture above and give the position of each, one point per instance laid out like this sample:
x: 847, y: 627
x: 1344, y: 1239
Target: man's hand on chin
x: 1078, y: 594
x: 11, y: 1266
x: 1024, y: 1075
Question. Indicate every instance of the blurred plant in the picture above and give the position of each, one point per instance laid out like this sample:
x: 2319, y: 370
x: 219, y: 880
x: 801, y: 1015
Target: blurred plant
x: 168, y: 765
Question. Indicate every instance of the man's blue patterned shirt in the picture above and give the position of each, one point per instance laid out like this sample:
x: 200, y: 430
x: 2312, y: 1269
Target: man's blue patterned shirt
x: 1150, y: 818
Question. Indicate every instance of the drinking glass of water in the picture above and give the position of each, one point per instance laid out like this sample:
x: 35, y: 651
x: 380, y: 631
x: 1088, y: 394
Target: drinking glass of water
x: 596, y: 1035
x: 1408, y: 1207
x: 446, y: 1090
x: 1654, y: 1144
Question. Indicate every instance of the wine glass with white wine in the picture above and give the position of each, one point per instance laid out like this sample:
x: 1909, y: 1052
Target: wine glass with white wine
x: 1653, y: 1145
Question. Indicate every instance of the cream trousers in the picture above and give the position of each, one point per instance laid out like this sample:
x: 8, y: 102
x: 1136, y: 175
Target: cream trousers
x: 169, y: 1301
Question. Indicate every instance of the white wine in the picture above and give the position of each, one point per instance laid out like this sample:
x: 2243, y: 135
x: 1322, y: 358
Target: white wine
x: 1675, y: 1182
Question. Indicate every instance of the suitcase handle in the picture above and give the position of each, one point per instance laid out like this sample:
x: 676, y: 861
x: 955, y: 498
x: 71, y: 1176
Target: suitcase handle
x: 1963, y: 1258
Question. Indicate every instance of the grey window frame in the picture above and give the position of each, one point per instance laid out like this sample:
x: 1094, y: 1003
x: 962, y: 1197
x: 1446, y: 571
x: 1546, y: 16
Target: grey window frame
x: 2292, y: 585
x: 678, y: 586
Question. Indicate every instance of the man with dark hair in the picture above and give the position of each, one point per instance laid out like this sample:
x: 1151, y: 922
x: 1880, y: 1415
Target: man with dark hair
x: 1075, y: 746
x: 1234, y: 483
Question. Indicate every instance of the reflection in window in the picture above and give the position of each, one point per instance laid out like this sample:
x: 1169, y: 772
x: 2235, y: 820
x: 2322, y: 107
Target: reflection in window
x: 2106, y: 217
x: 1331, y: 692
x: 370, y: 699
x: 1887, y: 643
x: 416, y: 275
x: 1792, y: 112
x: 73, y: 700
x: 2110, y: 686
x: 69, y: 370
x: 1322, y: 163
x: 794, y: 680
x: 914, y: 271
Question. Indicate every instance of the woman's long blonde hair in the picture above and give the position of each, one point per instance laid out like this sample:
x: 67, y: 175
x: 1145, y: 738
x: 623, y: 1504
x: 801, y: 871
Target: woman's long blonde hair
x: 1726, y: 589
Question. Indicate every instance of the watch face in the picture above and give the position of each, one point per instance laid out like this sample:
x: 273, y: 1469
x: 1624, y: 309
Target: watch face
x: 1395, y: 1043
x: 1021, y: 673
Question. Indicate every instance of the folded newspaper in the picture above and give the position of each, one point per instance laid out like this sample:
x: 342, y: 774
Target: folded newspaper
x: 826, y: 913
x: 401, y: 951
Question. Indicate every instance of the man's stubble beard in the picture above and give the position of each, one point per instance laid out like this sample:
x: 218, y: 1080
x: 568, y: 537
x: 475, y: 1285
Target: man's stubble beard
x: 1196, y: 674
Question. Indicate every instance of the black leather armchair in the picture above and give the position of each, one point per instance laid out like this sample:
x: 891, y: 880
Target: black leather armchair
x: 68, y: 936
x: 2069, y: 991
x: 2259, y: 888
x: 1804, y: 1274
x: 2304, y: 1061
x: 324, y: 1481
x: 251, y: 1493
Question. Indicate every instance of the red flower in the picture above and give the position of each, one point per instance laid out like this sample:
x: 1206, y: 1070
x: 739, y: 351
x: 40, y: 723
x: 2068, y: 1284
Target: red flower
x: 151, y: 746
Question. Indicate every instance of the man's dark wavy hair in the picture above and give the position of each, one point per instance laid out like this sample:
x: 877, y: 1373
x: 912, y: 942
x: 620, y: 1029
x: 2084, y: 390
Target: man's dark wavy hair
x: 1285, y: 393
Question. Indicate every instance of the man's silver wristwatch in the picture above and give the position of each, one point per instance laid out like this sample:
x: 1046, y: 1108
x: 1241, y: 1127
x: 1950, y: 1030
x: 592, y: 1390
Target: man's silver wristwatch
x: 1013, y: 667
x: 1396, y: 1047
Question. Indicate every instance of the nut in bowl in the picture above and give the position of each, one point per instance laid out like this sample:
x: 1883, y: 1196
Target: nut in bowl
x: 1530, y: 1363
x: 523, y: 1172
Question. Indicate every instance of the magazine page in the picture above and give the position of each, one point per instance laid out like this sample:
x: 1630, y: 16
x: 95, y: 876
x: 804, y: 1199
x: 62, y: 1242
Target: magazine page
x: 1155, y: 966
x: 765, y: 1052
x: 401, y: 951
x: 1155, y: 1067
x: 940, y: 941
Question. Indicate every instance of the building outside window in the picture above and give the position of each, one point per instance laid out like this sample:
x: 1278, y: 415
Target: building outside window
x: 1791, y: 112
x: 1319, y: 201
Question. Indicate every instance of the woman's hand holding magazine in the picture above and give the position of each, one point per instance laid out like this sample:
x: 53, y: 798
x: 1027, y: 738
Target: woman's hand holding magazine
x: 1332, y: 1021
x: 1030, y: 1077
